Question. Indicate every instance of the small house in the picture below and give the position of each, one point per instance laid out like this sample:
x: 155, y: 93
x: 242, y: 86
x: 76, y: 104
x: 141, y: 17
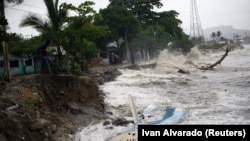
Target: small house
x: 18, y: 65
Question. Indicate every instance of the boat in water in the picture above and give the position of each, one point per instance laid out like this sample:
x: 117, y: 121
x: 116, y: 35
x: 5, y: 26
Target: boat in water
x: 171, y: 116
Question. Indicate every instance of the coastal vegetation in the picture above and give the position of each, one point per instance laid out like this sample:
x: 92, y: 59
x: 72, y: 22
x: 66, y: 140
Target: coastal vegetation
x: 78, y: 38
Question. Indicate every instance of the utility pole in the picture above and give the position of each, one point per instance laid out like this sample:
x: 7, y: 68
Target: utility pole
x: 3, y: 23
x: 196, y: 32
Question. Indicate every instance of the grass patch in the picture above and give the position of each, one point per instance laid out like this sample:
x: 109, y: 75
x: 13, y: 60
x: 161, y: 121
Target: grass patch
x: 31, y: 97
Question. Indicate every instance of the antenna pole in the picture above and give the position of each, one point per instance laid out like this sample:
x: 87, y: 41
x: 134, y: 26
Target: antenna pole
x: 196, y: 32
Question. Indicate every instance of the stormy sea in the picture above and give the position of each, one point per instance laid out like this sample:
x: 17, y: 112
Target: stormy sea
x: 219, y: 96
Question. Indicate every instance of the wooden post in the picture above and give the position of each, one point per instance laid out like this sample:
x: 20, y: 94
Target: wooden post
x: 132, y: 108
x: 4, y: 43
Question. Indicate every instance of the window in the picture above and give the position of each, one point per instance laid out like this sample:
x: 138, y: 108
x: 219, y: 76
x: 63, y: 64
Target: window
x: 13, y: 63
x: 28, y: 62
x: 1, y: 63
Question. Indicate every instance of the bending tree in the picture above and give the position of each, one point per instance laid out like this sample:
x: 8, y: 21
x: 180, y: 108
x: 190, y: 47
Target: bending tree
x: 211, y: 67
x: 50, y: 27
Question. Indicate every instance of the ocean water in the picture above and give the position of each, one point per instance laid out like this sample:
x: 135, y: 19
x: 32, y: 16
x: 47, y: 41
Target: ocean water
x: 219, y: 96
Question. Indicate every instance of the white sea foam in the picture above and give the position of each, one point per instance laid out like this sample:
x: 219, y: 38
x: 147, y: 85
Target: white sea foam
x: 210, y: 97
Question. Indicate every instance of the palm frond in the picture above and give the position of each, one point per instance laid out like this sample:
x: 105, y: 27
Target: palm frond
x: 56, y: 18
x: 36, y: 22
x: 51, y: 9
x: 55, y: 14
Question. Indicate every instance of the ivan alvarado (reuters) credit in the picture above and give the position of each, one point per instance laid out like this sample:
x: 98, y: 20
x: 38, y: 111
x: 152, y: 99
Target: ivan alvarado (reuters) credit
x: 194, y: 132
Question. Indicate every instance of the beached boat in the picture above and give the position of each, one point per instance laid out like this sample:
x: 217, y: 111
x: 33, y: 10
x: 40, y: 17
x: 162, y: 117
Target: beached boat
x: 172, y: 116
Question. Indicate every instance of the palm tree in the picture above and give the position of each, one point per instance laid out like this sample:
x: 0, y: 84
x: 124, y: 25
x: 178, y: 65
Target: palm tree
x: 50, y: 27
x: 237, y: 39
x: 218, y: 34
x: 213, y: 35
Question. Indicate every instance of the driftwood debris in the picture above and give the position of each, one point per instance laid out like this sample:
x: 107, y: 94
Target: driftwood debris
x: 211, y: 67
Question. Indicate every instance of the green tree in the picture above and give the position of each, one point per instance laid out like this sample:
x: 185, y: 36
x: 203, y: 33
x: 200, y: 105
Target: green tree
x: 183, y: 45
x: 170, y: 22
x: 153, y: 39
x: 213, y: 36
x: 81, y: 33
x: 21, y: 46
x: 237, y: 39
x: 218, y: 34
x: 143, y: 9
x: 172, y: 26
x: 52, y: 26
x: 122, y: 23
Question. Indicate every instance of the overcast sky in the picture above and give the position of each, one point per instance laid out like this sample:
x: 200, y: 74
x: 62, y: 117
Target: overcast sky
x: 211, y: 12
